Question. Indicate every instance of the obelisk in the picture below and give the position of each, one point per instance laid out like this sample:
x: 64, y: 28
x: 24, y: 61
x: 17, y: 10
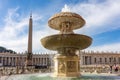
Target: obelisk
x: 29, y: 53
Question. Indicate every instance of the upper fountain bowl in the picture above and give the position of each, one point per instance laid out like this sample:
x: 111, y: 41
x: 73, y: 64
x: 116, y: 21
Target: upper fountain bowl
x: 74, y: 19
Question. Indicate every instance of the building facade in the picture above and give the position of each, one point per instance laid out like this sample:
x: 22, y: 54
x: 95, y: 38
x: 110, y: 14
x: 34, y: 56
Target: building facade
x: 12, y: 60
x: 46, y: 59
x: 99, y: 58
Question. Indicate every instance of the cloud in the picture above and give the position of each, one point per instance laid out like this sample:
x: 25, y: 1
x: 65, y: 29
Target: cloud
x: 17, y: 44
x: 10, y: 37
x: 106, y: 47
x: 13, y: 24
x: 14, y: 32
x: 98, y: 16
x: 38, y: 35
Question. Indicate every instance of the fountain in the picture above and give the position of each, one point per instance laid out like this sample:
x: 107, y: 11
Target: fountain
x: 66, y: 43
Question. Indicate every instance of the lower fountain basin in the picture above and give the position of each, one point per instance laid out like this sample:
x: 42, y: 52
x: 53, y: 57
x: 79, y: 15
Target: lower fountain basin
x: 47, y: 76
x: 55, y: 42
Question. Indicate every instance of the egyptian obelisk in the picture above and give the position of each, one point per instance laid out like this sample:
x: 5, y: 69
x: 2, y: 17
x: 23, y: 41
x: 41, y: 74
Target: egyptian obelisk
x: 29, y: 53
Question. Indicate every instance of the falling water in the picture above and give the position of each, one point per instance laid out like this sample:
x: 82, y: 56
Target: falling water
x: 65, y: 8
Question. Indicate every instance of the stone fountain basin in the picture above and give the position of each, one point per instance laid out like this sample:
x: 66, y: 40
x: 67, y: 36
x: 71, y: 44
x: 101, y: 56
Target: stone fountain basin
x: 75, y: 19
x: 54, y: 42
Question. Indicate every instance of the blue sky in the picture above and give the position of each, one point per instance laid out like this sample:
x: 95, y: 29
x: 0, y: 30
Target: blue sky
x: 102, y: 22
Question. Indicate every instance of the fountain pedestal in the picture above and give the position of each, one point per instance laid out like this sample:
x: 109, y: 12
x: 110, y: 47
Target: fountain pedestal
x: 66, y: 66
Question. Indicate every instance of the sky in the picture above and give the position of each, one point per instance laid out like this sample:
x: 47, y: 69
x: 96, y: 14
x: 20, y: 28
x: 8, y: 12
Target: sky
x: 102, y: 22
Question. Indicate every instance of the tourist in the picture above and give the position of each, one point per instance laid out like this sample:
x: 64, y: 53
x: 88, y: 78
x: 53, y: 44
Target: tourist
x: 111, y: 68
x: 116, y: 68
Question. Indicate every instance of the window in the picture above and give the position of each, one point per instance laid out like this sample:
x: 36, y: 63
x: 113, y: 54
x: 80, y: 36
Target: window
x: 119, y: 60
x: 100, y: 59
x: 114, y: 60
x: 110, y: 60
x: 105, y: 59
x: 95, y: 60
x: 0, y: 60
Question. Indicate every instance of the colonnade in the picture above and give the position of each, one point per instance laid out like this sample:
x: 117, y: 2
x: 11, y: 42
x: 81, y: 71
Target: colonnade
x: 99, y: 58
x: 9, y: 59
x: 87, y: 58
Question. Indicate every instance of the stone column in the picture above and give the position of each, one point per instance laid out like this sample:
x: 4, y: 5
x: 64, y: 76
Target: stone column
x: 35, y: 61
x: 9, y: 61
x: 90, y: 60
x: 15, y: 62
x: 32, y: 60
x: 5, y: 60
x: 81, y: 58
x: 1, y: 60
x: 84, y: 60
x: 47, y: 60
x: 40, y: 60
x: 43, y: 61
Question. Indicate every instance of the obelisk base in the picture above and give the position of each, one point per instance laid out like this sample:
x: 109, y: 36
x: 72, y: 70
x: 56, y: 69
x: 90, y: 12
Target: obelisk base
x: 66, y: 66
